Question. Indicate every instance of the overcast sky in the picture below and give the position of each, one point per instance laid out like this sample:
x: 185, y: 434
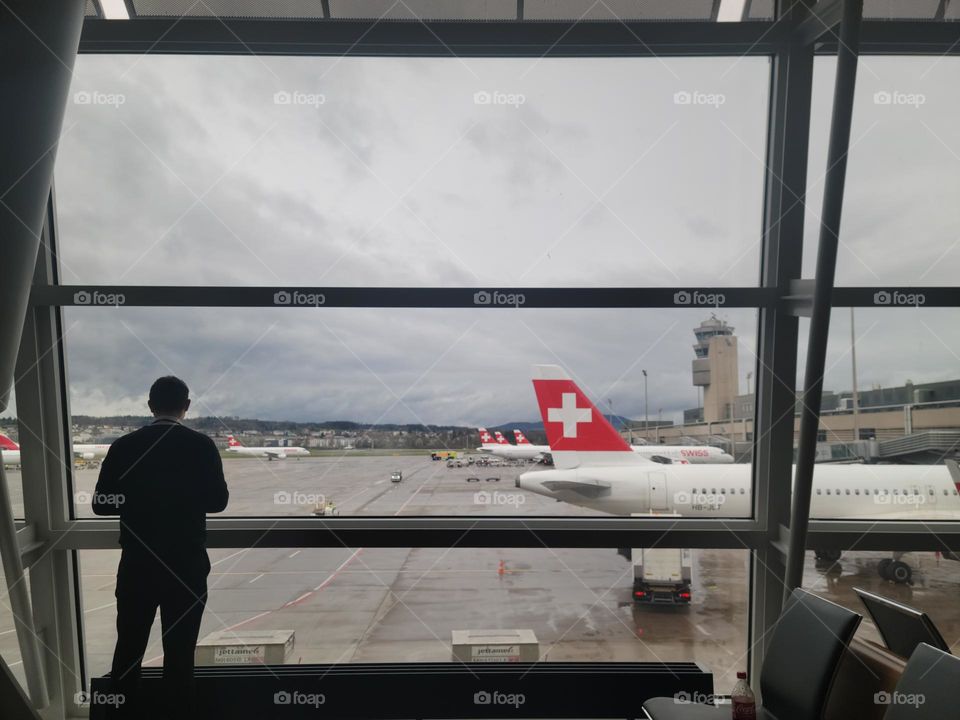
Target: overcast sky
x: 489, y: 173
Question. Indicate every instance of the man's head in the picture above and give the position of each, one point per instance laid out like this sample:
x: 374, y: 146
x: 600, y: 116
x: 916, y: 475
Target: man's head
x: 169, y: 396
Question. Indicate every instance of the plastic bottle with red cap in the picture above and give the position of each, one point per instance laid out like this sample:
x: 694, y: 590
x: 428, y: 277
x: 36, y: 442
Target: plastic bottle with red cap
x: 742, y: 700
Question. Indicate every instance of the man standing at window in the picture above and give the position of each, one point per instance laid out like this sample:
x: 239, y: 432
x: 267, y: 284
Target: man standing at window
x: 161, y: 480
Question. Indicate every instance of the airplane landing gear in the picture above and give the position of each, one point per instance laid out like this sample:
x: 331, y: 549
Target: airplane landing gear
x: 827, y: 557
x: 895, y: 570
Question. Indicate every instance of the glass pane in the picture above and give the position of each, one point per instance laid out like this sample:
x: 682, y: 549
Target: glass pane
x: 402, y: 604
x: 414, y: 172
x: 901, y: 9
x: 371, y: 392
x: 901, y: 221
x: 10, y: 452
x: 618, y: 9
x: 287, y: 9
x: 906, y: 414
x: 424, y: 10
x: 9, y: 646
x: 931, y: 588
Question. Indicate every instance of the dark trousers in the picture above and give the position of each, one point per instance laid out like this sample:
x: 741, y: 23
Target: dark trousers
x: 179, y: 588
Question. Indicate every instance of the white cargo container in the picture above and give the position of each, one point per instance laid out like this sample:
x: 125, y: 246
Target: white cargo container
x: 662, y: 575
x: 495, y: 646
x: 247, y: 647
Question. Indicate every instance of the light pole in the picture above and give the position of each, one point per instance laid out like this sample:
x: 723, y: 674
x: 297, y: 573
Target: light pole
x: 854, y: 399
x: 646, y: 412
x: 659, y: 415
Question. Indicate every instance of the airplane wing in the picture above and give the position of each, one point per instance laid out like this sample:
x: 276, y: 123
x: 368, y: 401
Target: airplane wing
x: 585, y: 488
x: 275, y: 453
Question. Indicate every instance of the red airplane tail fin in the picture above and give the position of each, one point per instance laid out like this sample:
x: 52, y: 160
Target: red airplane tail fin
x: 577, y: 432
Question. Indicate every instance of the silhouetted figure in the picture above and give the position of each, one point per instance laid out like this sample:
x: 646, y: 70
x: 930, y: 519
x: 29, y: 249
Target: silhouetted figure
x: 161, y: 480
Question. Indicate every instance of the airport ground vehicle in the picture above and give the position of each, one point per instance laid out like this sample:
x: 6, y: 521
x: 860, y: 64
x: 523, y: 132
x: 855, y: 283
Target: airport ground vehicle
x: 396, y: 476
x: 661, y: 575
x: 325, y: 509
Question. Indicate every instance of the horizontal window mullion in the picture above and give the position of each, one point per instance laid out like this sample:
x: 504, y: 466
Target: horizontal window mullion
x: 400, y: 297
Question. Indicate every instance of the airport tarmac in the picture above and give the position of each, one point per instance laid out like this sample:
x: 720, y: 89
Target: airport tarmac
x: 401, y: 604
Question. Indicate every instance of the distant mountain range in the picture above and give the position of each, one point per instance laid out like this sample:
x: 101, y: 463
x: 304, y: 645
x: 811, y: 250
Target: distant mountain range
x: 236, y: 424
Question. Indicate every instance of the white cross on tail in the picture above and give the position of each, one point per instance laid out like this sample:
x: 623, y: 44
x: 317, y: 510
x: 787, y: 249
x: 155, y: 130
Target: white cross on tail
x: 569, y: 414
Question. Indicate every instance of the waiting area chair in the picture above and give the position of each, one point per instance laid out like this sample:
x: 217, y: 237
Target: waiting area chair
x: 805, y: 649
x: 927, y: 688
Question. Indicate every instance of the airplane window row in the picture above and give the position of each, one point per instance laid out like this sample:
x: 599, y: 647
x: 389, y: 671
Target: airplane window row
x: 723, y: 491
x: 867, y: 491
x: 828, y: 491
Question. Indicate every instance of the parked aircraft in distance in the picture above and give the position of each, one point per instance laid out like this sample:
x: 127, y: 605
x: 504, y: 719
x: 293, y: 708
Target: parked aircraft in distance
x: 270, y: 453
x: 11, y: 451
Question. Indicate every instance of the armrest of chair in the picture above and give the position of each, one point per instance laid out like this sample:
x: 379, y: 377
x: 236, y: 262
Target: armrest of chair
x: 865, y: 670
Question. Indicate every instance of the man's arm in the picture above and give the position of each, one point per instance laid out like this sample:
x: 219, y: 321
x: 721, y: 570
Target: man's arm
x: 107, y: 497
x: 215, y: 492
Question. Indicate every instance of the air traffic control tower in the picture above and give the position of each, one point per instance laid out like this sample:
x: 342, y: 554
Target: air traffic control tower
x: 715, y: 368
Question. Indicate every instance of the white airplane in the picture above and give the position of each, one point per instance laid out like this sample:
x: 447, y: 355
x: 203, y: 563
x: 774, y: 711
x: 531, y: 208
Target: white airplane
x: 666, y: 454
x: 501, y: 448
x: 91, y: 452
x: 270, y: 453
x: 595, y: 468
x: 11, y: 451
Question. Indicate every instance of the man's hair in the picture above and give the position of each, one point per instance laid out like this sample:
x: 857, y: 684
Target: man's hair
x: 169, y: 394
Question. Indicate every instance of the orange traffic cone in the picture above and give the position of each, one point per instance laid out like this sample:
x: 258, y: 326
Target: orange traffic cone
x: 502, y: 568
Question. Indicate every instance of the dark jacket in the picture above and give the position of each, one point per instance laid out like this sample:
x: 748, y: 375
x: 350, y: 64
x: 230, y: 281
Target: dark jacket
x: 162, y: 480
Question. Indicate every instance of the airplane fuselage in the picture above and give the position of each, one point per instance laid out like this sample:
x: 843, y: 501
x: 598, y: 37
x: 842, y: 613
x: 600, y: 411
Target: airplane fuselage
x: 84, y: 452
x: 512, y: 452
x: 844, y: 491
x: 278, y: 453
x: 91, y: 452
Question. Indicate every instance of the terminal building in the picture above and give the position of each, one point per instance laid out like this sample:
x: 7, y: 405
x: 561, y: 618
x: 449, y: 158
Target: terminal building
x: 913, y: 422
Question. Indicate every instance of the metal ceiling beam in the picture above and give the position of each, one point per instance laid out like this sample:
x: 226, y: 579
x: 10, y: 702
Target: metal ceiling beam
x: 842, y: 117
x: 425, y: 39
x: 199, y: 35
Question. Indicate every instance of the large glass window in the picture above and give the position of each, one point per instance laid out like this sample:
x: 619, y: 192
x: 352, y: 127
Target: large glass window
x: 902, y: 423
x: 325, y: 405
x: 933, y: 579
x: 901, y: 221
x: 413, y: 172
x: 403, y: 604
